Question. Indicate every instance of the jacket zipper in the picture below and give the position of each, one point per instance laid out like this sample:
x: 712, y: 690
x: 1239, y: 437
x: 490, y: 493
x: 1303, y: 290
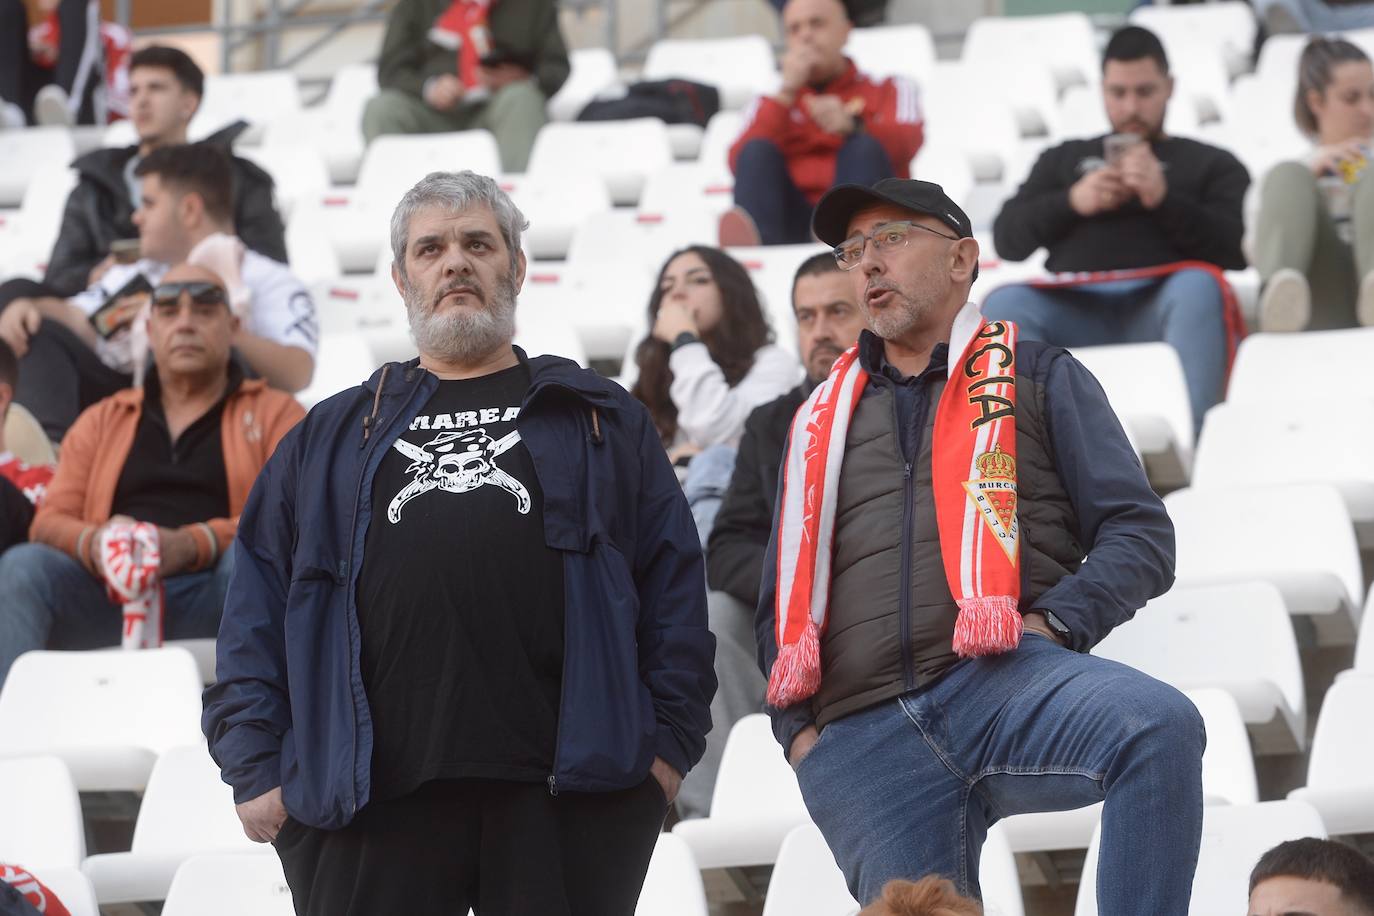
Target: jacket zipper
x: 908, y: 488
x: 348, y: 582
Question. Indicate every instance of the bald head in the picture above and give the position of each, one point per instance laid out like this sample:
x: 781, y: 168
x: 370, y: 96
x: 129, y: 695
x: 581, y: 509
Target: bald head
x: 822, y: 26
x: 190, y: 326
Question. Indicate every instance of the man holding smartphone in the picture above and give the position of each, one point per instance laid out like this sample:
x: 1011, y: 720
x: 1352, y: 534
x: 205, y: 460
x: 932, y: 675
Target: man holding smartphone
x: 1151, y: 218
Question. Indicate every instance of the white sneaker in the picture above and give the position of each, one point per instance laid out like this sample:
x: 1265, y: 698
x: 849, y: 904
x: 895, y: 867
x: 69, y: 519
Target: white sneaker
x: 1286, y: 302
x: 50, y: 107
x: 1364, y: 306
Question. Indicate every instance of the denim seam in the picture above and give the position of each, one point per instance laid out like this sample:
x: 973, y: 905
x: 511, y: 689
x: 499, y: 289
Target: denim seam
x: 1095, y: 776
x: 963, y: 795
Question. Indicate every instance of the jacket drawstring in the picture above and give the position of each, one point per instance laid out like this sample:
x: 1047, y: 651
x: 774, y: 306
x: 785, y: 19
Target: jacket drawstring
x: 371, y: 420
x: 596, y: 427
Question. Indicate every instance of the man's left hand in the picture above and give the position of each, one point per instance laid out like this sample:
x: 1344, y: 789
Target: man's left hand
x: 1035, y: 621
x: 669, y: 779
x: 830, y: 114
x: 499, y: 76
x: 1142, y: 172
x: 178, y: 551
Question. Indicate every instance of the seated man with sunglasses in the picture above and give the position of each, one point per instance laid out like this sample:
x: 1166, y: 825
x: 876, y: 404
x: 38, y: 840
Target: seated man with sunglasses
x: 180, y: 453
x: 76, y: 351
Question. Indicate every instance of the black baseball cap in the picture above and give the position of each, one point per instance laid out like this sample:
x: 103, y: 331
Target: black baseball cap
x: 840, y: 203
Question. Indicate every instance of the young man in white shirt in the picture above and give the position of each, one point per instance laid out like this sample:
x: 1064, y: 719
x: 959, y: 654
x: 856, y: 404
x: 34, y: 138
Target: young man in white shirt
x: 76, y: 351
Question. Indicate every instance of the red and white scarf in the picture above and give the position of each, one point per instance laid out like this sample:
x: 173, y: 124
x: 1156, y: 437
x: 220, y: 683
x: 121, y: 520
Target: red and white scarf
x: 974, y: 479
x: 130, y: 554
x: 463, y: 27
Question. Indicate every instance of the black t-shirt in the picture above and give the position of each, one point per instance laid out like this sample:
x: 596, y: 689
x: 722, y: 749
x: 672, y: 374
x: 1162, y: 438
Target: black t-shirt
x: 175, y: 483
x: 460, y: 601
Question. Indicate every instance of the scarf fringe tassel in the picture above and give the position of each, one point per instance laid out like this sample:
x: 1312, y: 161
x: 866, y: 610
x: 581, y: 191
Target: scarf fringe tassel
x: 796, y: 673
x: 986, y: 625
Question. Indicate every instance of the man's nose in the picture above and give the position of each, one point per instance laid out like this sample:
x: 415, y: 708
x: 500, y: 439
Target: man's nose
x: 870, y: 263
x: 456, y: 261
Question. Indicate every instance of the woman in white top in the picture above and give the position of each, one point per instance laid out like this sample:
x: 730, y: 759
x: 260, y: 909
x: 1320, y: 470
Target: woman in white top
x: 708, y: 360
x: 1314, y: 240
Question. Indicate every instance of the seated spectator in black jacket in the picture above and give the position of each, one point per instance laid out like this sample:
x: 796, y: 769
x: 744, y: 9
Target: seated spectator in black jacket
x: 165, y: 89
x: 77, y: 350
x: 828, y: 322
x: 1137, y: 199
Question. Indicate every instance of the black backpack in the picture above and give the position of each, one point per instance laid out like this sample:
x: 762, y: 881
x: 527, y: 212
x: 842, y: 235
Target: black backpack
x: 671, y: 101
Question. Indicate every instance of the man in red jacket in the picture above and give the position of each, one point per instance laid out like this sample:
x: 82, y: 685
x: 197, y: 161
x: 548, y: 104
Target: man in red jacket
x: 828, y: 124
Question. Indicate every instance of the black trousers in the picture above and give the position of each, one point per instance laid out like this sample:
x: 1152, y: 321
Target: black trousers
x: 21, y: 78
x: 499, y: 848
x: 60, y: 376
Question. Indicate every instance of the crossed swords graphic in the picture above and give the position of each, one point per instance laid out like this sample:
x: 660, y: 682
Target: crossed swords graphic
x: 429, y: 463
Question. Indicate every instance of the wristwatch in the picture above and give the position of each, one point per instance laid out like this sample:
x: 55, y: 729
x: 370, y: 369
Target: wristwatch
x: 1058, y: 626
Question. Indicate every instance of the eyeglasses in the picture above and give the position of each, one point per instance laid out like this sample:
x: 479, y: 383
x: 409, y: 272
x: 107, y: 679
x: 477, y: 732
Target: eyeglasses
x: 201, y: 293
x: 887, y: 237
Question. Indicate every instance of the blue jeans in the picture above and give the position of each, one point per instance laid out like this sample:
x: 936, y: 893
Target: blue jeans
x: 910, y: 786
x: 764, y: 188
x: 708, y: 477
x: 1183, y: 309
x: 51, y: 602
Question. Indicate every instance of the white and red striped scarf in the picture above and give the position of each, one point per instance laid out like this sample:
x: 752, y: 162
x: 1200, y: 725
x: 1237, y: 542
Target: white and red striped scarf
x: 130, y: 554
x: 974, y: 479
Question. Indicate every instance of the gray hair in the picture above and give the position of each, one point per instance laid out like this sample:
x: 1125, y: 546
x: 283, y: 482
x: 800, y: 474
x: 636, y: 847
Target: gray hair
x: 456, y: 191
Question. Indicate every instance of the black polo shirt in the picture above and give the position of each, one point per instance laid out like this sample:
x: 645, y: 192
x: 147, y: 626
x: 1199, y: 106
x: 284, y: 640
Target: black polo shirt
x: 175, y: 483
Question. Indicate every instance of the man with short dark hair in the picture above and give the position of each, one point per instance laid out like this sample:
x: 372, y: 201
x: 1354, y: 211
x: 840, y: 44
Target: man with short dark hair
x: 165, y: 89
x: 828, y: 323
x: 465, y: 652
x: 1156, y: 217
x: 926, y: 609
x: 1312, y: 877
x: 78, y: 350
x: 827, y: 124
x: 179, y: 454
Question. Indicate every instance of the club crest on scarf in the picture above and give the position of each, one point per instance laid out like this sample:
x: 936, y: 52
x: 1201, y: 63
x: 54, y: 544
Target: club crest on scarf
x: 994, y: 496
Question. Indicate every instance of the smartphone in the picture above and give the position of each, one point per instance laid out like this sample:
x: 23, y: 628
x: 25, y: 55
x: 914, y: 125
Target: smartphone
x: 119, y: 309
x: 126, y: 251
x: 1115, y: 146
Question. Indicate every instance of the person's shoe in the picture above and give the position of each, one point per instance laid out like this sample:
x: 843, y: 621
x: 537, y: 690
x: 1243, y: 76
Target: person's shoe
x: 1364, y: 305
x: 50, y: 108
x: 1286, y: 302
x: 737, y: 229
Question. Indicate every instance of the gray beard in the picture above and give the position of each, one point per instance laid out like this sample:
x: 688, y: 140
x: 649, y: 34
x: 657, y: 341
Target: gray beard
x: 463, y: 336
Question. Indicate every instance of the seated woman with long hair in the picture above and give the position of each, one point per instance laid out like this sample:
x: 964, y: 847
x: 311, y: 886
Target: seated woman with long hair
x: 708, y: 360
x: 1314, y: 239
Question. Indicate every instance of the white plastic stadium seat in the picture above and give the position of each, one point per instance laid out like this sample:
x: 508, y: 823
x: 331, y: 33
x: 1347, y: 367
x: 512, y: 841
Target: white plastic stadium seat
x: 773, y: 268
x: 309, y: 252
x: 958, y: 106
x: 672, y: 886
x: 357, y: 221
x: 1298, y: 537
x: 106, y: 713
x: 740, y: 67
x: 623, y: 153
x: 68, y: 885
x: 334, y: 127
x: 543, y: 327
x: 27, y: 235
x: 807, y: 880
x: 1364, y: 647
x: 1213, y: 637
x: 755, y: 803
x: 1228, y: 777
x: 1228, y: 27
x: 1309, y: 367
x: 593, y: 70
x: 1248, y: 445
x: 721, y: 133
x: 258, y: 97
x: 942, y: 162
x: 1064, y: 42
x: 555, y: 206
x: 1146, y: 388
x: 893, y: 50
x: 40, y: 814
x: 230, y: 885
x: 1233, y: 839
x: 688, y: 185
x: 298, y: 172
x: 186, y: 810
x: 26, y: 152
x: 1340, y: 781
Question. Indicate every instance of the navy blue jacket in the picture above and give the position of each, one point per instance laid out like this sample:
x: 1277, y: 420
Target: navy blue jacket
x: 289, y: 709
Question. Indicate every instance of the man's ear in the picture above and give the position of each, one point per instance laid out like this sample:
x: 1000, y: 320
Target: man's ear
x: 964, y: 258
x: 190, y: 209
x: 190, y: 104
x: 396, y: 279
x: 520, y: 265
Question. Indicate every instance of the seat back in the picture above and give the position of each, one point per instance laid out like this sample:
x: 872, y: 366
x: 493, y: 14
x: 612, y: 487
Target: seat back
x: 395, y: 162
x: 187, y: 808
x: 806, y: 878
x: 230, y: 885
x: 1227, y: 28
x: 1311, y: 367
x: 672, y: 885
x: 773, y: 269
x: 1144, y: 384
x: 591, y: 71
x: 1064, y: 42
x: 40, y: 814
x: 256, y: 97
x: 893, y: 50
x: 27, y: 151
x: 754, y: 777
x: 1343, y: 743
x: 740, y: 67
x: 1228, y: 764
x: 623, y: 153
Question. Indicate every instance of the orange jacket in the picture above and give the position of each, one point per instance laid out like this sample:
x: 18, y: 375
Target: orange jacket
x: 79, y: 498
x: 890, y: 109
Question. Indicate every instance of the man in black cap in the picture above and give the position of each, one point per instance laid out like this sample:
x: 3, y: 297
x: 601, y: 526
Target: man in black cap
x: 895, y: 592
